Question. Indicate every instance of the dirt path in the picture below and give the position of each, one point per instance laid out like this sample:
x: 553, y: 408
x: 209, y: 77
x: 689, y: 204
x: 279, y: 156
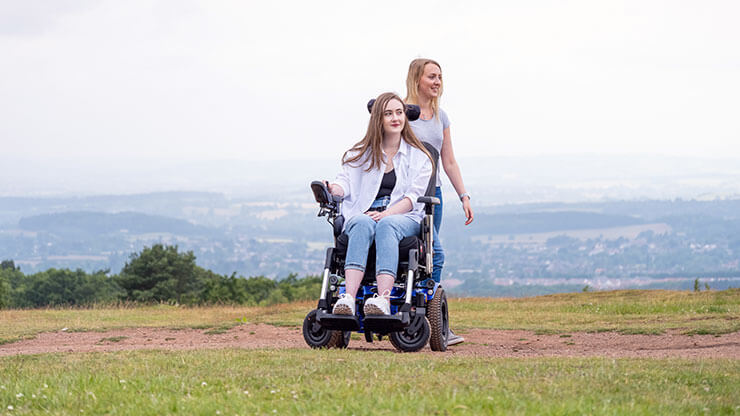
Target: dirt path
x: 479, y: 342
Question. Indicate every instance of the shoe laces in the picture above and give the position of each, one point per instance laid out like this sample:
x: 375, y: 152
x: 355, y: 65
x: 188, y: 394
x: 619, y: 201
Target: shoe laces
x: 345, y: 296
x: 386, y: 295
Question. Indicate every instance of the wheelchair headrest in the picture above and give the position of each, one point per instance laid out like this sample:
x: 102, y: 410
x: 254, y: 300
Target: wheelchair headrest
x: 412, y: 111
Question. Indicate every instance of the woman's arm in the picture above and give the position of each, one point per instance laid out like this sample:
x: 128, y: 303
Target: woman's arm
x: 401, y: 207
x: 419, y: 179
x: 341, y: 185
x: 452, y: 169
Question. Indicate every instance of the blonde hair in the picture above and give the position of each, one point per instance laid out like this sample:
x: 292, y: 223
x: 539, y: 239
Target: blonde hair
x: 416, y: 71
x: 373, y: 140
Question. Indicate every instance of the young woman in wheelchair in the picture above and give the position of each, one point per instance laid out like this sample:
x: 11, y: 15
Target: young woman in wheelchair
x: 382, y: 177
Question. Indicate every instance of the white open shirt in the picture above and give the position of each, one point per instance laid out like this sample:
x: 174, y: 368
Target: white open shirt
x: 413, y: 170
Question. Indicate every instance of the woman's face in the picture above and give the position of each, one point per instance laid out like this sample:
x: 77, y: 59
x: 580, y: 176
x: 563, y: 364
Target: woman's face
x: 431, y: 81
x: 393, y: 117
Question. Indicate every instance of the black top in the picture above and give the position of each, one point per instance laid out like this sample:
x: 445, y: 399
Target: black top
x: 387, y: 184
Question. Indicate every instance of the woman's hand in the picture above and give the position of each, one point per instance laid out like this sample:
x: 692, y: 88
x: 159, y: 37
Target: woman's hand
x: 468, y: 210
x: 334, y: 189
x: 376, y: 215
x: 401, y: 207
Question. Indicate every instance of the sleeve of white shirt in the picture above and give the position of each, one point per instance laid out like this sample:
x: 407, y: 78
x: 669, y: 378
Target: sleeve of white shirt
x: 420, y: 175
x: 343, y: 179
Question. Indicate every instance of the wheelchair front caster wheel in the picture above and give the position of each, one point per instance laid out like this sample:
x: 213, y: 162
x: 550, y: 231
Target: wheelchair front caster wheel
x: 317, y: 336
x: 413, y: 338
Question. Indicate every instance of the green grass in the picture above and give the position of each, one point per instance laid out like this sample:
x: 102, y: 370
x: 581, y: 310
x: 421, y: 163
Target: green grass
x: 625, y: 311
x: 112, y: 339
x: 21, y: 324
x: 220, y: 329
x: 15, y: 339
x: 307, y: 381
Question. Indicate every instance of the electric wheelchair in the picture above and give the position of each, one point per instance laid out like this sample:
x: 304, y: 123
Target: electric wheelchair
x: 418, y: 304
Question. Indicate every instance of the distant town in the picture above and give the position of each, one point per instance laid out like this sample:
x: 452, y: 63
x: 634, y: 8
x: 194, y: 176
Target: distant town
x: 509, y: 250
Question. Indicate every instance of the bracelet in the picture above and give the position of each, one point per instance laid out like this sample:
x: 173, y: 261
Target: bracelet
x: 464, y: 195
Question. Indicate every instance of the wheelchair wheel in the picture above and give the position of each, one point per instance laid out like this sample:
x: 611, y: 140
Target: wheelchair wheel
x: 317, y: 336
x: 413, y: 338
x: 439, y: 320
x: 341, y: 341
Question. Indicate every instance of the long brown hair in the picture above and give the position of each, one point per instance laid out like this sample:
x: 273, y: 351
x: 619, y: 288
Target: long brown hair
x: 373, y: 139
x: 416, y: 71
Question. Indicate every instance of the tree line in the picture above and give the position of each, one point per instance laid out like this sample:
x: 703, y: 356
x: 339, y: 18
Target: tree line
x: 157, y: 274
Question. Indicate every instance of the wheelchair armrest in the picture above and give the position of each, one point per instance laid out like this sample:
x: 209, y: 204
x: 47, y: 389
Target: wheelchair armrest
x: 338, y: 225
x: 433, y: 200
x: 323, y: 196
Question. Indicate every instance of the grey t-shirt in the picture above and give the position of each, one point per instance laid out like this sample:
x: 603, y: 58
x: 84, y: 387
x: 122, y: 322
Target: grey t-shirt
x: 432, y: 132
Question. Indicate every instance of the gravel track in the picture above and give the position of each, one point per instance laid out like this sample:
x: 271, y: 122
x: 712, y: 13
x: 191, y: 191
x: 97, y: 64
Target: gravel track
x: 479, y: 342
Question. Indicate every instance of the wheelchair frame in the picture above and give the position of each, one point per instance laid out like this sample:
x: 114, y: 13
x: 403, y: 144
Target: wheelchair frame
x: 418, y: 315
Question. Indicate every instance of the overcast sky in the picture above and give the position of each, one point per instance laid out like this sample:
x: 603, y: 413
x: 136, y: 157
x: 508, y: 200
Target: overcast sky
x: 208, y: 80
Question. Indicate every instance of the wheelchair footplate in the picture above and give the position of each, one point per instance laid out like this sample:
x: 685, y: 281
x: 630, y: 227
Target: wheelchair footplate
x: 384, y: 324
x: 339, y: 322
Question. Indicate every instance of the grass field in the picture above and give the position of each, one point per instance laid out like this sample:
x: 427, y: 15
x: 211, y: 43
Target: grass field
x: 304, y: 381
x: 624, y: 311
x: 229, y: 382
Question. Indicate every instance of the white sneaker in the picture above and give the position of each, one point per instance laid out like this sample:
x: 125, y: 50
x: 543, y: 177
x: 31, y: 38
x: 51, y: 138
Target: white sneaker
x: 453, y: 339
x: 378, y: 305
x: 345, y: 305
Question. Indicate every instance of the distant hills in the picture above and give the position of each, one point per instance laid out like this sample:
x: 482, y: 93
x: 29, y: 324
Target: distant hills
x: 492, y: 180
x: 509, y: 249
x: 82, y: 223
x: 540, y: 222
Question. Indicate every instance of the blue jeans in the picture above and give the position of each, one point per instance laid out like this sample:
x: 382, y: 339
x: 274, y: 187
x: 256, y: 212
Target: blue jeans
x: 439, y: 254
x: 387, y: 233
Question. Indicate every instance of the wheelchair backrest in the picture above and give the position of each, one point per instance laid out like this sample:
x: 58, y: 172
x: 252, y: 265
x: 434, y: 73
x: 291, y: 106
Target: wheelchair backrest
x: 432, y: 187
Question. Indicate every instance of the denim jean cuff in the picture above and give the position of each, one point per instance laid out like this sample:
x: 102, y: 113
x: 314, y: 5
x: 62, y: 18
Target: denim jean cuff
x: 390, y: 272
x: 354, y: 267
